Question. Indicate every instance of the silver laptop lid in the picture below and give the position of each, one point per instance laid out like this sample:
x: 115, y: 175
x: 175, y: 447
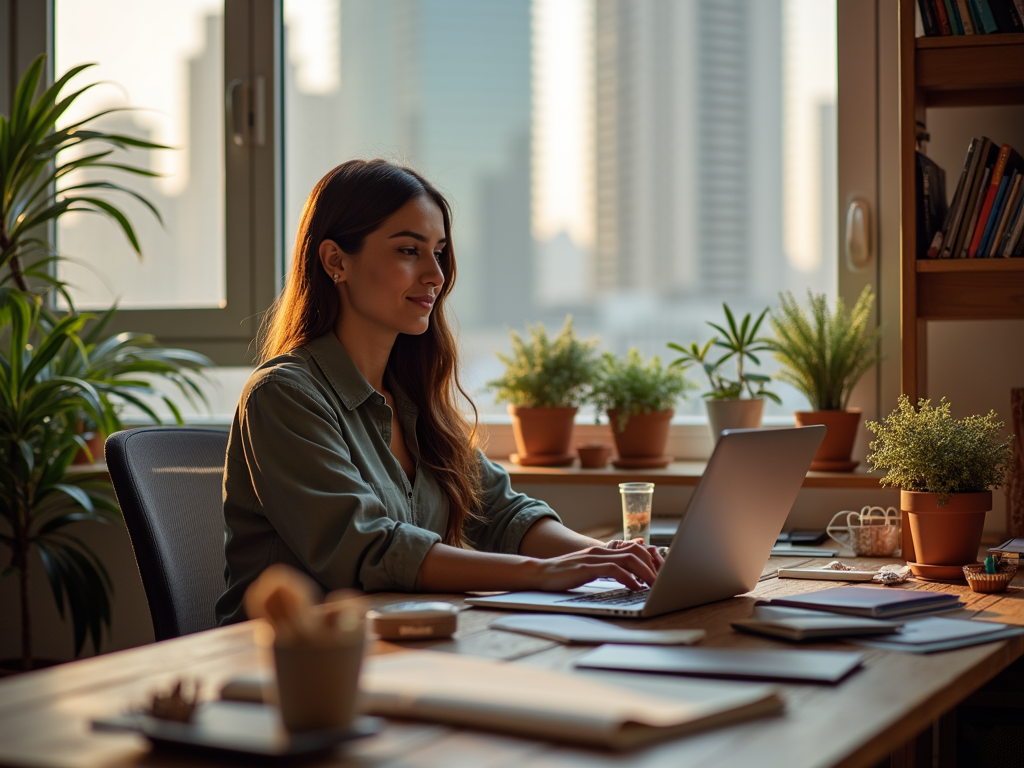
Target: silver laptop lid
x: 734, y: 516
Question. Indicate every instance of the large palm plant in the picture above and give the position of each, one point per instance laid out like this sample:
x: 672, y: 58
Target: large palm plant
x: 57, y: 368
x: 53, y: 371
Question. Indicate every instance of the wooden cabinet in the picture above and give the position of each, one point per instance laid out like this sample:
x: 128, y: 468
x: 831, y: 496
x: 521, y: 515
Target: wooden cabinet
x: 936, y: 72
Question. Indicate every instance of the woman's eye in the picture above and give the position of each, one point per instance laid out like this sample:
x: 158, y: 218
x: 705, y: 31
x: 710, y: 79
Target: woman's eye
x: 438, y: 255
x: 409, y: 251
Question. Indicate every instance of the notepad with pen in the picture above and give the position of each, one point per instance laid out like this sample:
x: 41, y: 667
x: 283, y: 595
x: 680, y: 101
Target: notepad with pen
x: 872, y: 602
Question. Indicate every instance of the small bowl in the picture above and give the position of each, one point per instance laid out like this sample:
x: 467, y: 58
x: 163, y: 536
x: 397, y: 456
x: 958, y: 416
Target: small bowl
x: 594, y: 456
x: 989, y: 582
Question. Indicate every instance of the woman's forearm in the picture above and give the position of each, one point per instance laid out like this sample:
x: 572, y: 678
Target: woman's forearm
x: 549, y: 538
x: 451, y: 569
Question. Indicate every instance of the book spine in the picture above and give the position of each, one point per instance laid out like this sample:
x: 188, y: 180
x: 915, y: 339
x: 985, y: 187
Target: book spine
x: 1006, y: 16
x: 965, y: 17
x: 986, y: 22
x: 963, y: 244
x: 1019, y: 5
x: 945, y: 27
x: 954, y: 17
x: 992, y: 222
x: 995, y: 248
x: 990, y: 196
x: 1016, y: 238
x: 959, y: 196
x: 928, y: 19
x: 1005, y: 246
x: 978, y: 182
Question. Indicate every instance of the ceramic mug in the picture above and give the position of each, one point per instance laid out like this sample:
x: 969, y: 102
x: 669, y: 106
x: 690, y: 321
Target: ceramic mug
x: 872, y: 532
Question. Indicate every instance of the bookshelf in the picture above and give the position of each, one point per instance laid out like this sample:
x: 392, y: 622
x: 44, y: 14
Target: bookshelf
x: 936, y: 72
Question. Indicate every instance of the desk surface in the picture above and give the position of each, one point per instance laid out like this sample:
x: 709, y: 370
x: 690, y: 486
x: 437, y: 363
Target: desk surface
x: 44, y: 715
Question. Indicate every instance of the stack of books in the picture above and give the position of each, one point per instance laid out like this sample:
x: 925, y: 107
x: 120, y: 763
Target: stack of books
x: 986, y: 218
x: 970, y: 17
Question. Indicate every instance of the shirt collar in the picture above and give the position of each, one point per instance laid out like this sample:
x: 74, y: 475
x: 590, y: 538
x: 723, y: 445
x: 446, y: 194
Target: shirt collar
x: 351, y: 386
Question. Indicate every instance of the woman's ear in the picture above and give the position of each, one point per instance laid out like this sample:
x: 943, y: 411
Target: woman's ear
x: 331, y: 258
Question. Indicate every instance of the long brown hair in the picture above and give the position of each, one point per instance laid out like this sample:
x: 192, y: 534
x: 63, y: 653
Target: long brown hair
x: 346, y: 205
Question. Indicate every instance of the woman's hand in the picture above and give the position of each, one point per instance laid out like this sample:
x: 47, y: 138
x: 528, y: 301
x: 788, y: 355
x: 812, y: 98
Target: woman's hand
x: 631, y: 563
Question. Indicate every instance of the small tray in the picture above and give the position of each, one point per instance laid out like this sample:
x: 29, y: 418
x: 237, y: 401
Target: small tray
x: 980, y: 581
x: 237, y: 728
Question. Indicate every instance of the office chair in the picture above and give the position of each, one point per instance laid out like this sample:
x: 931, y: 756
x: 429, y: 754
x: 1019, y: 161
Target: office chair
x: 168, y: 484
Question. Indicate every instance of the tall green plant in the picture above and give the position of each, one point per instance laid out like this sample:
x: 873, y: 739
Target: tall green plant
x: 824, y: 354
x: 740, y: 342
x: 52, y: 371
x: 38, y: 183
x: 544, y: 372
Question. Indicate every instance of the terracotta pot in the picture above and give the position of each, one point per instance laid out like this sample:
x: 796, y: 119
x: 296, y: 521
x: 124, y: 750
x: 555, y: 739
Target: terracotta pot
x: 95, y: 442
x: 644, y: 436
x: 594, y: 455
x: 948, y: 535
x: 733, y: 414
x: 841, y: 431
x: 542, y: 432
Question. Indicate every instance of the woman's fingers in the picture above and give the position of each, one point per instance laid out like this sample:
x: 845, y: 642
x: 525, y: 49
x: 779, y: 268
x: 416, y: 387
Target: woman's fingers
x: 631, y: 562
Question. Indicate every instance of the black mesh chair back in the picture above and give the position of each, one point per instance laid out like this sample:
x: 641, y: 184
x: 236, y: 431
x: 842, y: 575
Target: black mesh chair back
x: 168, y: 482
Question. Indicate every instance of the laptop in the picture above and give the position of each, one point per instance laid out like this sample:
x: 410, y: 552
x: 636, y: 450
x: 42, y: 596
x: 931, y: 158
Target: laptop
x: 726, y: 535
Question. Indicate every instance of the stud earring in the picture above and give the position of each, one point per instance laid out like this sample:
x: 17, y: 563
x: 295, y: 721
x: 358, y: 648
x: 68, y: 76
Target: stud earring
x: 336, y: 277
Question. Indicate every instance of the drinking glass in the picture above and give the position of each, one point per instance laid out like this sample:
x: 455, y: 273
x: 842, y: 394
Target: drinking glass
x: 636, y: 510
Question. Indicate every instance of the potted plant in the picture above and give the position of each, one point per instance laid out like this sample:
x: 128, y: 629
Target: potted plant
x: 727, y: 408
x: 639, y: 399
x: 57, y: 368
x: 945, y: 469
x: 544, y: 383
x: 823, y: 355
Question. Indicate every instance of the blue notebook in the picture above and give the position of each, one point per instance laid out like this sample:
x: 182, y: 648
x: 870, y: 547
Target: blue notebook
x: 874, y: 602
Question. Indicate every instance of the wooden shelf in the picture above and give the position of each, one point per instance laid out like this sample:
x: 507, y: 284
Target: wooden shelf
x: 679, y: 473
x: 970, y: 70
x: 970, y: 265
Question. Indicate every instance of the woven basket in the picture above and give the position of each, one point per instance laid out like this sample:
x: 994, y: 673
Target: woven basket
x: 989, y: 582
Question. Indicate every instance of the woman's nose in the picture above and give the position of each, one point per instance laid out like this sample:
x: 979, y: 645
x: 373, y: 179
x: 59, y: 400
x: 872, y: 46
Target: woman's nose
x: 434, y: 275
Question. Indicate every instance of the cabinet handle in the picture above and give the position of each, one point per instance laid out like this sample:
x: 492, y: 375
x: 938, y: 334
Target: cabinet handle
x: 858, y: 235
x: 237, y: 111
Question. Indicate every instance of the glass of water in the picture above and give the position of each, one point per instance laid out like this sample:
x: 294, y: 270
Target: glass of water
x: 636, y: 510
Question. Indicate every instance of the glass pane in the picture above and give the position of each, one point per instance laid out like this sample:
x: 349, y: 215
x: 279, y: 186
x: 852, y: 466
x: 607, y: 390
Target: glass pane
x: 633, y: 162
x: 166, y: 58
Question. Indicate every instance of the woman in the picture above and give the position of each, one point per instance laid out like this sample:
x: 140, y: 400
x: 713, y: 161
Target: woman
x: 348, y: 456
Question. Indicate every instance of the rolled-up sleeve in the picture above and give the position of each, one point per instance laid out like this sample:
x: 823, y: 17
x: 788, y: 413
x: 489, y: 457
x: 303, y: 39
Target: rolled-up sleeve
x: 308, y: 488
x: 506, y: 515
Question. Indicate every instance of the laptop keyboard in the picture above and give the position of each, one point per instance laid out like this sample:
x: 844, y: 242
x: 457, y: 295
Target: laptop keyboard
x: 614, y: 597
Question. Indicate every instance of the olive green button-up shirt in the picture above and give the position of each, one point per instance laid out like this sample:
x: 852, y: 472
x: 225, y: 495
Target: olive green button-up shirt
x: 310, y: 481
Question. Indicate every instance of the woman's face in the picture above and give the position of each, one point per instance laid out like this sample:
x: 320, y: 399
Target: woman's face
x: 392, y: 283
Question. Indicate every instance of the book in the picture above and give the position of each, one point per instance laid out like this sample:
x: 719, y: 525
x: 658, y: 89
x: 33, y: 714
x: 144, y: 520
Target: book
x: 1006, y: 15
x: 1003, y: 162
x: 994, y: 247
x: 957, y: 204
x: 986, y: 236
x: 1009, y: 549
x: 931, y: 202
x: 945, y: 27
x: 928, y: 18
x: 544, y: 703
x: 979, y: 200
x: 965, y: 17
x: 797, y: 625
x: 825, y: 574
x: 876, y: 602
x: 954, y: 17
x: 1015, y: 228
x: 941, y: 634
x: 975, y: 199
x: 984, y: 21
x: 963, y: 190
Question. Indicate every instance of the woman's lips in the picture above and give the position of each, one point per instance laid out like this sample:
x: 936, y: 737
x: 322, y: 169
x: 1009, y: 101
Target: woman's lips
x: 427, y: 302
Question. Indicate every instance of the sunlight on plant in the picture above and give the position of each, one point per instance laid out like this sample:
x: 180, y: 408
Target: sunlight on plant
x: 633, y: 387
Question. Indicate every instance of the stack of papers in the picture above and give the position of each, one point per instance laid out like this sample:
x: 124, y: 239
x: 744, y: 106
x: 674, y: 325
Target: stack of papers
x: 798, y: 624
x: 531, y: 701
x: 938, y: 634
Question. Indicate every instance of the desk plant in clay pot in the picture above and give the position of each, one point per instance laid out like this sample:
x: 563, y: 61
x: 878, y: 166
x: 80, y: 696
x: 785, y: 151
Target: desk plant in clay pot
x: 639, y: 399
x: 545, y: 380
x: 727, y: 408
x: 59, y: 368
x: 945, y: 469
x: 823, y: 355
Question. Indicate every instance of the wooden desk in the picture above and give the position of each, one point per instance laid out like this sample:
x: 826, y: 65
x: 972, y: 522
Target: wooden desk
x: 44, y: 715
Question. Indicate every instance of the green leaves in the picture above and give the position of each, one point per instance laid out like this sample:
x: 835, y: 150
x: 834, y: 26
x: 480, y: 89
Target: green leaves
x: 545, y: 373
x: 824, y: 354
x: 633, y: 386
x: 36, y: 157
x: 740, y: 341
x: 929, y: 450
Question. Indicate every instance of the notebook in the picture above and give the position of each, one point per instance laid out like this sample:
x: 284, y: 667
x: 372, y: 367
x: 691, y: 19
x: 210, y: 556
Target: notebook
x: 790, y: 665
x: 798, y: 624
x: 581, y: 630
x: 941, y: 634
x: 873, y: 602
